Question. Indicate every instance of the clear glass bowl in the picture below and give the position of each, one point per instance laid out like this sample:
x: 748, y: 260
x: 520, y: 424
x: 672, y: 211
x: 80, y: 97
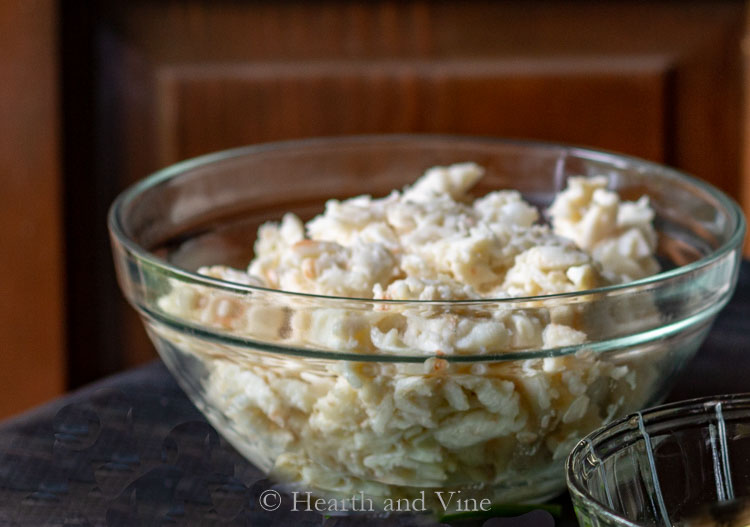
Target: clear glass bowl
x: 686, y: 463
x: 284, y: 378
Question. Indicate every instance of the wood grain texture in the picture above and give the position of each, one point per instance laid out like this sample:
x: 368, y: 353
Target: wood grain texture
x: 213, y: 107
x: 177, y: 78
x: 32, y: 350
x: 700, y: 38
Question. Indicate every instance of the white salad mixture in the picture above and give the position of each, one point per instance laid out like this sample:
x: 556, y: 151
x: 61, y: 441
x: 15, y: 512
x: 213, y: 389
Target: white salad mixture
x: 392, y: 429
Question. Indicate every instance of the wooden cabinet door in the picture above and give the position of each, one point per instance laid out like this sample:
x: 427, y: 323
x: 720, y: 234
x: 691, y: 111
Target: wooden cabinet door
x: 175, y: 79
x: 32, y: 262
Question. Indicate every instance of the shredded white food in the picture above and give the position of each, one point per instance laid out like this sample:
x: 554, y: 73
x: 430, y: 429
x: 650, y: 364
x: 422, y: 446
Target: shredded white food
x: 389, y: 428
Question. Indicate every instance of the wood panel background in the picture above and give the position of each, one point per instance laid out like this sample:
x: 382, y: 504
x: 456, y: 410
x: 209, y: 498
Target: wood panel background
x: 32, y: 343
x: 206, y: 107
x: 150, y: 83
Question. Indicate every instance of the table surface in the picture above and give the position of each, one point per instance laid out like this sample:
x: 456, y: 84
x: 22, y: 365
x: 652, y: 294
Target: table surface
x: 133, y: 450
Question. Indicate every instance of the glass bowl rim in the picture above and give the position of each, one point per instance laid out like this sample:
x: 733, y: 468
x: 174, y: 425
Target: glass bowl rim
x: 116, y: 223
x: 699, y: 406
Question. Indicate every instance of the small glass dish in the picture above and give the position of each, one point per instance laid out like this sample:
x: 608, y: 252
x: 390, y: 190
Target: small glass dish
x: 685, y: 463
x: 294, y: 380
